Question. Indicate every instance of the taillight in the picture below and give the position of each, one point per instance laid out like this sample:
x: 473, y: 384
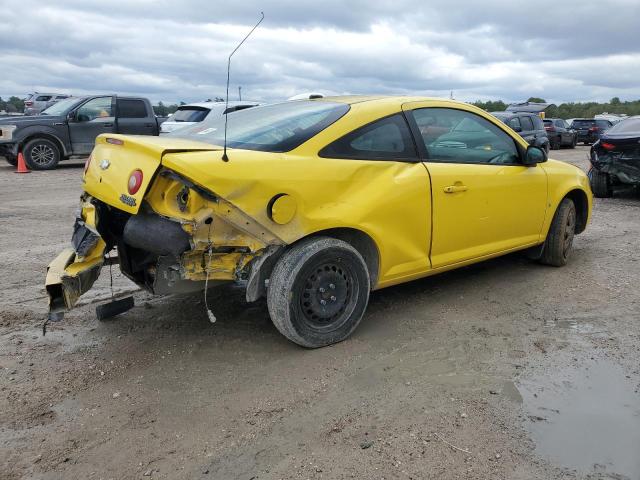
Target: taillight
x: 87, y: 162
x: 135, y: 181
x: 28, y: 104
x: 593, y: 129
x: 607, y: 146
x: 550, y: 129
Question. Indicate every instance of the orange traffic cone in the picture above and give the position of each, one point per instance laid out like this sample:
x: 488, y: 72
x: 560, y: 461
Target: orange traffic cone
x: 22, y: 167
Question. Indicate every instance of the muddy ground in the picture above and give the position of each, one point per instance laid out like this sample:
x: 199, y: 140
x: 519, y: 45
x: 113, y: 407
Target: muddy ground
x: 504, y: 370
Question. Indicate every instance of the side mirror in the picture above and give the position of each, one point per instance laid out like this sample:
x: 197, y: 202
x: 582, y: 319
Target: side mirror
x: 71, y: 116
x: 534, y: 155
x: 517, y: 129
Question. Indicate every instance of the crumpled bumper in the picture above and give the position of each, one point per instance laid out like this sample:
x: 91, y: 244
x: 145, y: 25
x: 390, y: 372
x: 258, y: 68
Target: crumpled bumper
x: 74, y: 271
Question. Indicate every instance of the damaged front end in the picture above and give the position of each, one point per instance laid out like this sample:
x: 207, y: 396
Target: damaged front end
x: 620, y: 161
x: 181, y: 237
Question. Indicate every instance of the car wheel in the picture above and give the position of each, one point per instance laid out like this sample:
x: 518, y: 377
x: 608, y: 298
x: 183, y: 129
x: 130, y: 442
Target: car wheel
x: 11, y: 160
x: 600, y: 183
x: 573, y: 143
x: 41, y: 154
x: 546, y: 148
x: 318, y: 292
x: 559, y: 240
x: 554, y: 145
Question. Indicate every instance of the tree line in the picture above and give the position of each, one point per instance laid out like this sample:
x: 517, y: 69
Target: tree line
x: 572, y: 109
x: 13, y: 105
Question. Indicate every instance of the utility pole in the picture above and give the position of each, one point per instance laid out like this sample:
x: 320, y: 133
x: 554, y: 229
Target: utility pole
x: 239, y: 92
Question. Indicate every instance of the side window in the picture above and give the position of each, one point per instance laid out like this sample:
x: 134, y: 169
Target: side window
x: 43, y: 98
x: 97, y: 108
x: 527, y: 124
x: 458, y: 136
x: 128, y: 108
x: 386, y: 139
x: 537, y: 123
x: 515, y: 123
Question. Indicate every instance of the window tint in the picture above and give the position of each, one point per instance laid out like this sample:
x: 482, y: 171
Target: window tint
x: 190, y: 114
x: 537, y: 123
x: 561, y: 124
x: 583, y: 123
x: 603, y: 124
x: 43, y: 98
x: 128, y: 108
x: 457, y: 136
x: 515, y: 123
x: 97, y: 108
x: 279, y: 127
x: 527, y: 124
x: 386, y: 139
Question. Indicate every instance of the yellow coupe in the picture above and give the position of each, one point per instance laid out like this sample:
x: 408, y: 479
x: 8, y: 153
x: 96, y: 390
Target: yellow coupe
x: 317, y: 202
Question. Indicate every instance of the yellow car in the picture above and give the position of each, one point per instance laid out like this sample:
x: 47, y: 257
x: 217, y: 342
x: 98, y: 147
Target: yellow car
x: 315, y: 203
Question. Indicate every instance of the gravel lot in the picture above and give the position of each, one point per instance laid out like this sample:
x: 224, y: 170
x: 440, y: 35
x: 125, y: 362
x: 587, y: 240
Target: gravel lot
x: 504, y: 370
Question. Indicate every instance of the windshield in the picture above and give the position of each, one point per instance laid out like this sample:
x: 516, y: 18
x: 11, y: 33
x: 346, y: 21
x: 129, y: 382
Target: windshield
x: 271, y: 128
x: 61, y: 107
x: 631, y: 125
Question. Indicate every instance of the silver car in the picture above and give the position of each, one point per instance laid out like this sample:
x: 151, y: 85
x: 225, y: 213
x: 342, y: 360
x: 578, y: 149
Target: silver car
x: 196, y: 112
x: 36, y: 102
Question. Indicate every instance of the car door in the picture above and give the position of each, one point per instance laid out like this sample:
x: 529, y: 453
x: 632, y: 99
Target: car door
x: 89, y: 120
x: 484, y: 200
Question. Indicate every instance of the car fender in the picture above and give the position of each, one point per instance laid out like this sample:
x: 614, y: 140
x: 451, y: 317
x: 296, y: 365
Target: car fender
x: 563, y: 180
x: 41, y: 131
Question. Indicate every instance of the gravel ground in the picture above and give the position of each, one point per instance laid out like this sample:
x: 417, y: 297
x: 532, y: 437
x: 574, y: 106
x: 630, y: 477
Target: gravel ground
x: 503, y: 370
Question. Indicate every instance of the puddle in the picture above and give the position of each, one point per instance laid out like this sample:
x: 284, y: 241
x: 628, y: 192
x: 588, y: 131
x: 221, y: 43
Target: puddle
x: 586, y: 418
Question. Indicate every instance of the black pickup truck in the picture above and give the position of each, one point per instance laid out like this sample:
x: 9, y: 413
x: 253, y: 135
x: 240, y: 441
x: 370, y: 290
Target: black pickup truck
x: 69, y: 128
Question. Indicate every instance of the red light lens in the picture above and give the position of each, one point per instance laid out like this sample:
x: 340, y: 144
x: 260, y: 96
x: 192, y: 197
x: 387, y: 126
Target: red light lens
x: 135, y: 181
x: 608, y: 146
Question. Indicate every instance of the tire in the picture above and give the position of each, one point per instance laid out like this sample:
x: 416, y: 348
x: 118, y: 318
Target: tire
x: 546, y: 148
x: 557, y: 245
x: 11, y: 160
x: 41, y: 154
x: 317, y: 270
x: 554, y: 145
x: 573, y: 143
x: 600, y: 183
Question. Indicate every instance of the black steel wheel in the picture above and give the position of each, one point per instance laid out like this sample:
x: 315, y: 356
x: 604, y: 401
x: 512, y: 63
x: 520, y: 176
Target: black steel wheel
x: 318, y: 292
x: 41, y: 154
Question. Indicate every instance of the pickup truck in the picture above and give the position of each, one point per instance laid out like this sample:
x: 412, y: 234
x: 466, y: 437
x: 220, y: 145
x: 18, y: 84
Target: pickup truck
x: 69, y: 128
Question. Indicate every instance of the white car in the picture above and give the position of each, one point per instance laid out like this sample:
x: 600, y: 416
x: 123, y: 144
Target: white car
x: 196, y: 112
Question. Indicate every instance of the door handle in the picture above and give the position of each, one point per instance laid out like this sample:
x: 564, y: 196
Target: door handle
x: 105, y: 125
x: 148, y: 124
x: 455, y: 188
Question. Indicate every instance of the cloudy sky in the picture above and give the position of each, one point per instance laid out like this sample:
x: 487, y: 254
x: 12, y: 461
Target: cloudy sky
x: 173, y: 50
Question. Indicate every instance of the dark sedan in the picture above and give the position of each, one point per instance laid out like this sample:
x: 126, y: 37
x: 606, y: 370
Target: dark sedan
x: 590, y: 129
x: 560, y: 133
x: 615, y: 158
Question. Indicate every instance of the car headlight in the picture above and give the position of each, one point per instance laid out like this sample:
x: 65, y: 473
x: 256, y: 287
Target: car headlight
x: 6, y: 131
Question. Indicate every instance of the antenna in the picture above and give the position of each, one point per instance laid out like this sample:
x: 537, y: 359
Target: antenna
x: 225, y: 158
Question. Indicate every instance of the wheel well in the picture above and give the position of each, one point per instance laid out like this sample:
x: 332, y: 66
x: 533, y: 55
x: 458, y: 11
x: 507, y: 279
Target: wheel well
x: 46, y: 136
x: 582, y: 208
x: 362, y: 242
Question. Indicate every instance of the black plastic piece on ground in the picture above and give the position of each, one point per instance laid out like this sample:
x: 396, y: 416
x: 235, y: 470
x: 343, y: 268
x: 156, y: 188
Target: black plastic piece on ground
x: 116, y: 307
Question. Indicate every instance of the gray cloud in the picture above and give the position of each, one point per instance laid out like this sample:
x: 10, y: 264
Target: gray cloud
x: 172, y: 51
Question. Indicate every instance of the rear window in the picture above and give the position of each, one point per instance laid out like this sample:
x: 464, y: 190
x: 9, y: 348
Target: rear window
x: 603, y: 124
x: 632, y: 125
x: 548, y: 123
x: 131, y: 108
x: 43, y: 98
x: 190, y: 114
x: 583, y: 123
x: 271, y: 128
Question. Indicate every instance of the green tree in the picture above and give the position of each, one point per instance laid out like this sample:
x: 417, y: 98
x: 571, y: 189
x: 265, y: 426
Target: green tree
x: 17, y: 103
x: 536, y: 100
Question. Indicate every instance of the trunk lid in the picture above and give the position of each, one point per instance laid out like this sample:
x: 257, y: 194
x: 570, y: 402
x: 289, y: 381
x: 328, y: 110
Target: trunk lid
x: 116, y: 157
